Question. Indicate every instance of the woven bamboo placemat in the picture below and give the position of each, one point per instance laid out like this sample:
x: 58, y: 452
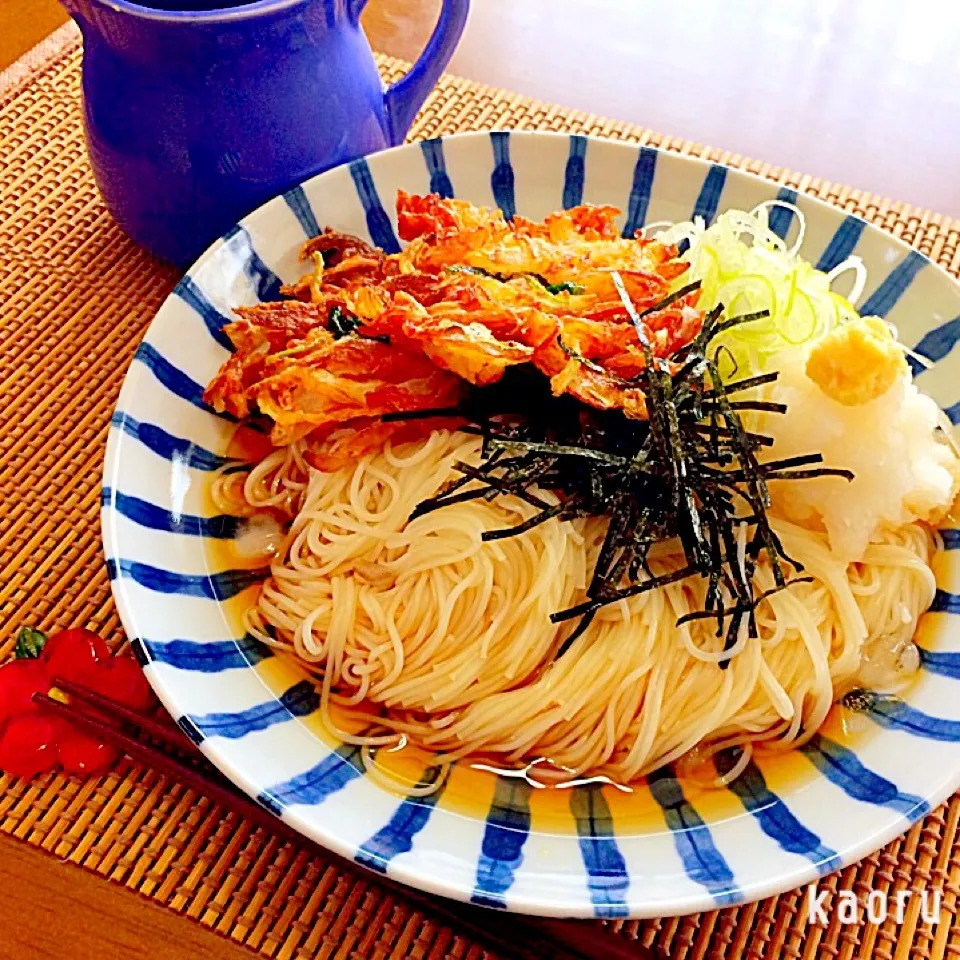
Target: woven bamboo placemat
x: 75, y: 298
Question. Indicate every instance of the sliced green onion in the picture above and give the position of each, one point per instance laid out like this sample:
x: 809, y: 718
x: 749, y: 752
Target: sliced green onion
x: 743, y: 265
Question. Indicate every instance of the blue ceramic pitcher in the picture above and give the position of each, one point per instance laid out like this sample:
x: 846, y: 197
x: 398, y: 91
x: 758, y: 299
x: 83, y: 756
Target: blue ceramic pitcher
x: 196, y: 113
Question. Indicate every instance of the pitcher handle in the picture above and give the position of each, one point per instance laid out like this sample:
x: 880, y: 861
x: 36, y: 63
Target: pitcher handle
x: 402, y: 101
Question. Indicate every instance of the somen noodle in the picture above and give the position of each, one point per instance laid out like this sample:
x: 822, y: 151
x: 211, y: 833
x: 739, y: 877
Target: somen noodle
x: 452, y: 635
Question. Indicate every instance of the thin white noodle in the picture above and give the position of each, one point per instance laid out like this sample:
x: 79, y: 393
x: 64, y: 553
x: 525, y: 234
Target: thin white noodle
x: 451, y: 637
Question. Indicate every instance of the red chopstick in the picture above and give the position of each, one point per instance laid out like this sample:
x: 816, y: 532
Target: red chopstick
x: 510, y: 935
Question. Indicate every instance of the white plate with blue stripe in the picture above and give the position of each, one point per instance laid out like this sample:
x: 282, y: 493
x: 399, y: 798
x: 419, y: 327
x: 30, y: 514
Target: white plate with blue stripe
x: 664, y: 849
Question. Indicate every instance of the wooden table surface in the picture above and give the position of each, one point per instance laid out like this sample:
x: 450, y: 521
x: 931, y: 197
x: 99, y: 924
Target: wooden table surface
x: 863, y: 92
x: 57, y: 910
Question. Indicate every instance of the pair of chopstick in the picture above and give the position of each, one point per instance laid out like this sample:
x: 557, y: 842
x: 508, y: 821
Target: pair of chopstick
x: 510, y: 935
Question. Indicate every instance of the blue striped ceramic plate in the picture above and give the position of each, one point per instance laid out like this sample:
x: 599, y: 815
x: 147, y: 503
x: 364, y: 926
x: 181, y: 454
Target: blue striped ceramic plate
x: 665, y: 849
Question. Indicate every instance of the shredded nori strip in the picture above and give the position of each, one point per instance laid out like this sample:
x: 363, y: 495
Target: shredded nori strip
x: 341, y: 322
x: 690, y: 472
x: 564, y: 286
